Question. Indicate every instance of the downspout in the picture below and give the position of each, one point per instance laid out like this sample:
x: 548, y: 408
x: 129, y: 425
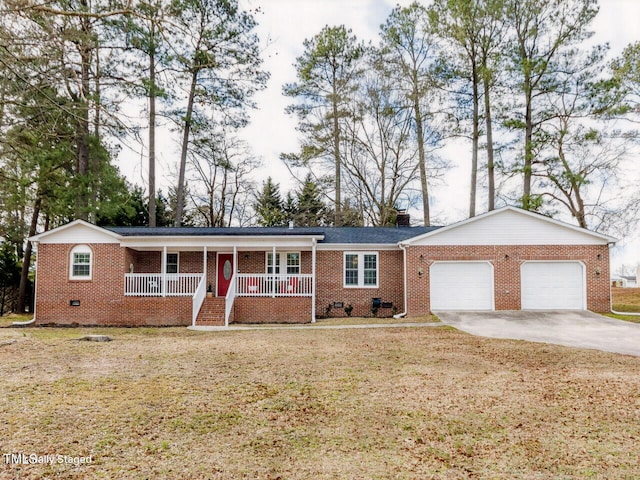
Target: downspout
x: 404, y: 264
x: 627, y: 314
x: 35, y: 295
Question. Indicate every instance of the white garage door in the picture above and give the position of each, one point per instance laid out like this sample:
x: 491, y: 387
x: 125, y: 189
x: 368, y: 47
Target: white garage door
x: 552, y: 286
x: 461, y: 286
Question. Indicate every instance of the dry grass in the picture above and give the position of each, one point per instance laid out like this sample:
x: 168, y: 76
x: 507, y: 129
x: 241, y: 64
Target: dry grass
x: 326, y: 404
x: 7, y: 320
x: 337, y: 321
x: 626, y: 299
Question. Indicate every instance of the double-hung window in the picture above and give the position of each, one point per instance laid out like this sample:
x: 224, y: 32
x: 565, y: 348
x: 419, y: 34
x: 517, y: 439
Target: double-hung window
x: 361, y: 269
x: 80, y: 263
x: 270, y: 267
x: 292, y: 264
x: 172, y: 262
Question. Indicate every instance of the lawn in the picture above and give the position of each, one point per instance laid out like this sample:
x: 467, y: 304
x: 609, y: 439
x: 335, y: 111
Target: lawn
x: 327, y: 404
x: 626, y: 300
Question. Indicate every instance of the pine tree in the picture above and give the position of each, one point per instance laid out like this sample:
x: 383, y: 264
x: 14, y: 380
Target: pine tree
x: 310, y: 210
x: 269, y: 206
x: 328, y: 72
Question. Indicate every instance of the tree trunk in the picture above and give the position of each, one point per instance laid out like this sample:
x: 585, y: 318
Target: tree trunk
x: 528, y: 146
x: 152, y: 137
x: 82, y: 131
x: 475, y: 136
x: 338, y: 160
x: 26, y: 259
x: 185, y: 147
x: 93, y: 160
x: 421, y: 158
x: 490, y: 161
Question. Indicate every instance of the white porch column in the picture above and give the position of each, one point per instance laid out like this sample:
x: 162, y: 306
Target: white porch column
x: 164, y: 271
x: 274, y: 262
x: 236, y: 267
x: 313, y: 280
x: 204, y: 266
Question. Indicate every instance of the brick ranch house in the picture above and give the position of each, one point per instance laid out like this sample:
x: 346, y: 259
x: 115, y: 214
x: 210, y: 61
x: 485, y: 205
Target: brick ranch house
x: 506, y: 259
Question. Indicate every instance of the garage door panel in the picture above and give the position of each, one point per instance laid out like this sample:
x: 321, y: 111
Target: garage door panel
x: 552, y: 286
x: 461, y: 286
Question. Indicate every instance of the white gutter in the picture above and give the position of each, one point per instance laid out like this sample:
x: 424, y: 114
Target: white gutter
x: 404, y: 263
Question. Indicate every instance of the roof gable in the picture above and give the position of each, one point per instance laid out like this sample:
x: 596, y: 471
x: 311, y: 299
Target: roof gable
x: 511, y: 226
x: 77, y: 231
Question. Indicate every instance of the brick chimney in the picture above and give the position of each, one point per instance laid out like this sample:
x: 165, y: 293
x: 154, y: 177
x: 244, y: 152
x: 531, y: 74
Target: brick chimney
x: 403, y: 219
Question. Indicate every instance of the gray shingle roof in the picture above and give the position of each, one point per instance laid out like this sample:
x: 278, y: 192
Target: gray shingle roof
x: 361, y: 235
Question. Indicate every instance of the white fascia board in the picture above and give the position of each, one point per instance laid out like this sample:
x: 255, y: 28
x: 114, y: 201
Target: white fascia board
x: 357, y: 246
x: 536, y: 216
x: 77, y: 231
x: 218, y: 242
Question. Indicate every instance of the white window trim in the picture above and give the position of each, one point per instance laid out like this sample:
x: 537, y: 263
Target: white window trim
x: 80, y: 249
x: 177, y: 262
x: 360, y: 269
x: 282, y: 256
x: 299, y: 265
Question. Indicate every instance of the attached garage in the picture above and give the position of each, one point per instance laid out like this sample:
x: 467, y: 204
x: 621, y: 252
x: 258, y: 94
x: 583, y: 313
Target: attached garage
x: 461, y: 286
x: 553, y: 285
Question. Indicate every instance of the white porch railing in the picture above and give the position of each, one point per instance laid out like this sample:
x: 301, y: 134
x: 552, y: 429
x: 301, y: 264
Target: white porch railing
x: 198, y: 299
x: 268, y: 285
x: 158, y: 285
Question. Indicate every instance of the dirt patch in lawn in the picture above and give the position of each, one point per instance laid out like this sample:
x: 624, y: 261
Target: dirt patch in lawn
x: 379, y: 403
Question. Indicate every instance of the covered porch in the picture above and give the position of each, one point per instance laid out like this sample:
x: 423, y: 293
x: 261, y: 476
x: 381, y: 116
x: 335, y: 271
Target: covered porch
x: 218, y: 271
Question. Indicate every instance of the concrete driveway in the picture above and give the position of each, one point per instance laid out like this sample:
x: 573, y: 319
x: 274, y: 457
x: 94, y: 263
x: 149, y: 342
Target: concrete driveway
x: 580, y: 329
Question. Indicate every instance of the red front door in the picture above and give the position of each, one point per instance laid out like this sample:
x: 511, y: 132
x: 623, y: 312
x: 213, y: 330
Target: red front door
x: 225, y: 272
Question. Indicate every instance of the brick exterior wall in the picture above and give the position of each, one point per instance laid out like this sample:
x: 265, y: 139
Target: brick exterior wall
x: 256, y: 262
x: 156, y: 311
x: 330, y: 285
x: 151, y: 262
x: 102, y: 300
x: 272, y: 310
x: 506, y: 261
